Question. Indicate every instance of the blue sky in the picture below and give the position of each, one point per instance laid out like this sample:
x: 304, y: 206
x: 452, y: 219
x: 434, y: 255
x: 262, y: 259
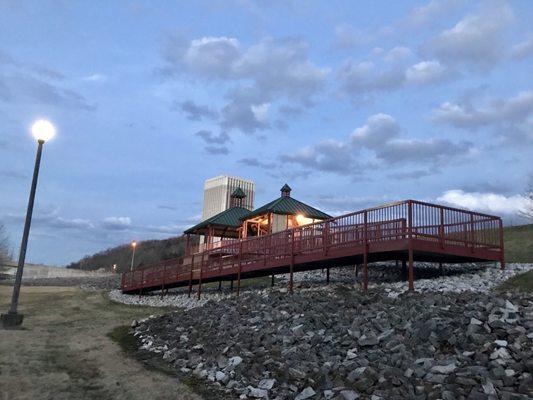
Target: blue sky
x: 352, y: 103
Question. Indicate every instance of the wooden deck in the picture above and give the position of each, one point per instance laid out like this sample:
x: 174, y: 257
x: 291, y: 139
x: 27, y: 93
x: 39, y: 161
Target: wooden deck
x: 406, y: 231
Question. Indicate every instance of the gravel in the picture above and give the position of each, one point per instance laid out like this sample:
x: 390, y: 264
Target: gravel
x: 334, y: 342
x: 384, y: 276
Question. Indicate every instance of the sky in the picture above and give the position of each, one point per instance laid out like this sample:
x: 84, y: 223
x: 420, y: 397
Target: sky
x: 353, y: 104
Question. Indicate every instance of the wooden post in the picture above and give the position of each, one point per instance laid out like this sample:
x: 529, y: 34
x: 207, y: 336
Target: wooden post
x: 239, y: 272
x: 325, y: 238
x: 163, y: 281
x: 365, y: 254
x: 410, y: 244
x: 441, y: 228
x: 327, y: 275
x: 411, y: 270
x: 272, y: 282
x: 231, y: 286
x: 200, y: 279
x: 440, y: 269
x: 502, y: 257
x: 190, y: 277
x: 291, y: 281
x: 220, y: 285
x: 404, y: 270
x: 472, y: 234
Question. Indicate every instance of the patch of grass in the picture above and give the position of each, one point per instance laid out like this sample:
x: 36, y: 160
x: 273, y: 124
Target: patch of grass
x: 123, y: 337
x: 521, y: 283
x: 518, y: 243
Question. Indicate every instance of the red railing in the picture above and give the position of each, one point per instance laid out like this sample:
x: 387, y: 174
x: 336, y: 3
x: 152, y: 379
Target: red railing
x: 447, y: 227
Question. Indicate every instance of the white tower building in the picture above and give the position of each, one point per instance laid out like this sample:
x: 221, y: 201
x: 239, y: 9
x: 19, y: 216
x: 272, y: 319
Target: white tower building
x: 217, y: 192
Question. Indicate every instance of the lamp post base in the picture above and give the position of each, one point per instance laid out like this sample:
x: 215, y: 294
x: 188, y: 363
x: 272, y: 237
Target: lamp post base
x: 11, y: 320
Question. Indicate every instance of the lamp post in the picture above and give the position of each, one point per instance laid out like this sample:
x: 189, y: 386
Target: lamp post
x: 133, y: 246
x: 42, y: 131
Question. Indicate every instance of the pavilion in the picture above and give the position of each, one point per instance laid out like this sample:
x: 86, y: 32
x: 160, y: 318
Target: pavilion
x: 282, y: 213
x: 238, y: 222
x: 222, y: 227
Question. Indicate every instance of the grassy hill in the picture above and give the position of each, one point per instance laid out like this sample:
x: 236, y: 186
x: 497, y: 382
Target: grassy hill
x: 518, y: 243
x: 147, y: 252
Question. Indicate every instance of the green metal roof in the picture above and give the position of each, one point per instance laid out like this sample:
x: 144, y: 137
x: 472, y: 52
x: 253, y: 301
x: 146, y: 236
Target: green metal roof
x: 227, y: 220
x: 288, y: 206
x: 238, y: 193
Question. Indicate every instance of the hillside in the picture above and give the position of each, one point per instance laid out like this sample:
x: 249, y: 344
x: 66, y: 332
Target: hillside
x: 147, y: 252
x: 518, y: 242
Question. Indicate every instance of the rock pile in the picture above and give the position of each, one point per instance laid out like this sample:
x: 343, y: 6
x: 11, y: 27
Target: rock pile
x: 340, y: 344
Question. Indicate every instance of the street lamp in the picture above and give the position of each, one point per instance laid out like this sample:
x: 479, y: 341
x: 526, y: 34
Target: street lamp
x: 133, y: 246
x: 42, y: 131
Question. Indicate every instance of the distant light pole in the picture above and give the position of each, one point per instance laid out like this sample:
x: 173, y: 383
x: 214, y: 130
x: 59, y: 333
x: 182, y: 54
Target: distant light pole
x: 42, y: 131
x: 133, y: 246
x: 114, y: 267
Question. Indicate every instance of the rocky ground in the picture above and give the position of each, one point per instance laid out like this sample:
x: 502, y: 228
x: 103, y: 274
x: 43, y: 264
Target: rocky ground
x: 472, y: 277
x: 335, y: 342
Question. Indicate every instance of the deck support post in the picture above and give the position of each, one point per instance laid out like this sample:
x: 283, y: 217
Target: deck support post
x: 404, y: 270
x: 327, y: 275
x: 200, y: 280
x: 272, y: 281
x: 190, y: 277
x: 502, y: 258
x: 365, y: 254
x: 239, y: 272
x: 291, y: 281
x: 220, y: 285
x: 231, y: 286
x: 411, y: 268
x: 440, y: 269
x: 410, y: 244
x: 365, y: 269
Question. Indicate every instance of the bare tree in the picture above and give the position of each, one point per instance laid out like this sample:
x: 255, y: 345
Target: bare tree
x: 527, y: 210
x: 5, y: 253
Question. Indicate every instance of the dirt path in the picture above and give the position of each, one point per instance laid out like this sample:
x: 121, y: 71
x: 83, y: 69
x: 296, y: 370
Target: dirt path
x: 64, y: 351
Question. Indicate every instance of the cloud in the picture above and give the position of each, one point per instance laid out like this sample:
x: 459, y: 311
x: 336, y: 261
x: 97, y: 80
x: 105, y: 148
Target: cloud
x: 523, y: 49
x: 268, y: 71
x: 196, y: 112
x: 11, y: 174
x: 210, y: 138
x: 484, y: 202
x: 379, y: 129
x: 511, y: 118
x: 28, y: 88
x: 396, y: 73
x: 477, y: 40
x: 30, y: 83
x: 364, y: 76
x: 425, y: 14
x: 214, y: 143
x: 216, y: 150
x: 116, y: 223
x: 338, y: 205
x: 426, y: 72
x: 254, y: 162
x: 348, y: 37
x: 94, y: 78
x: 376, y: 145
x: 51, y: 219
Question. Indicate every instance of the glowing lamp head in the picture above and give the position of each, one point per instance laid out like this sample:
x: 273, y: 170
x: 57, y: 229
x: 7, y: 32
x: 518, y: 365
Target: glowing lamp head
x: 133, y: 244
x: 43, y: 130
